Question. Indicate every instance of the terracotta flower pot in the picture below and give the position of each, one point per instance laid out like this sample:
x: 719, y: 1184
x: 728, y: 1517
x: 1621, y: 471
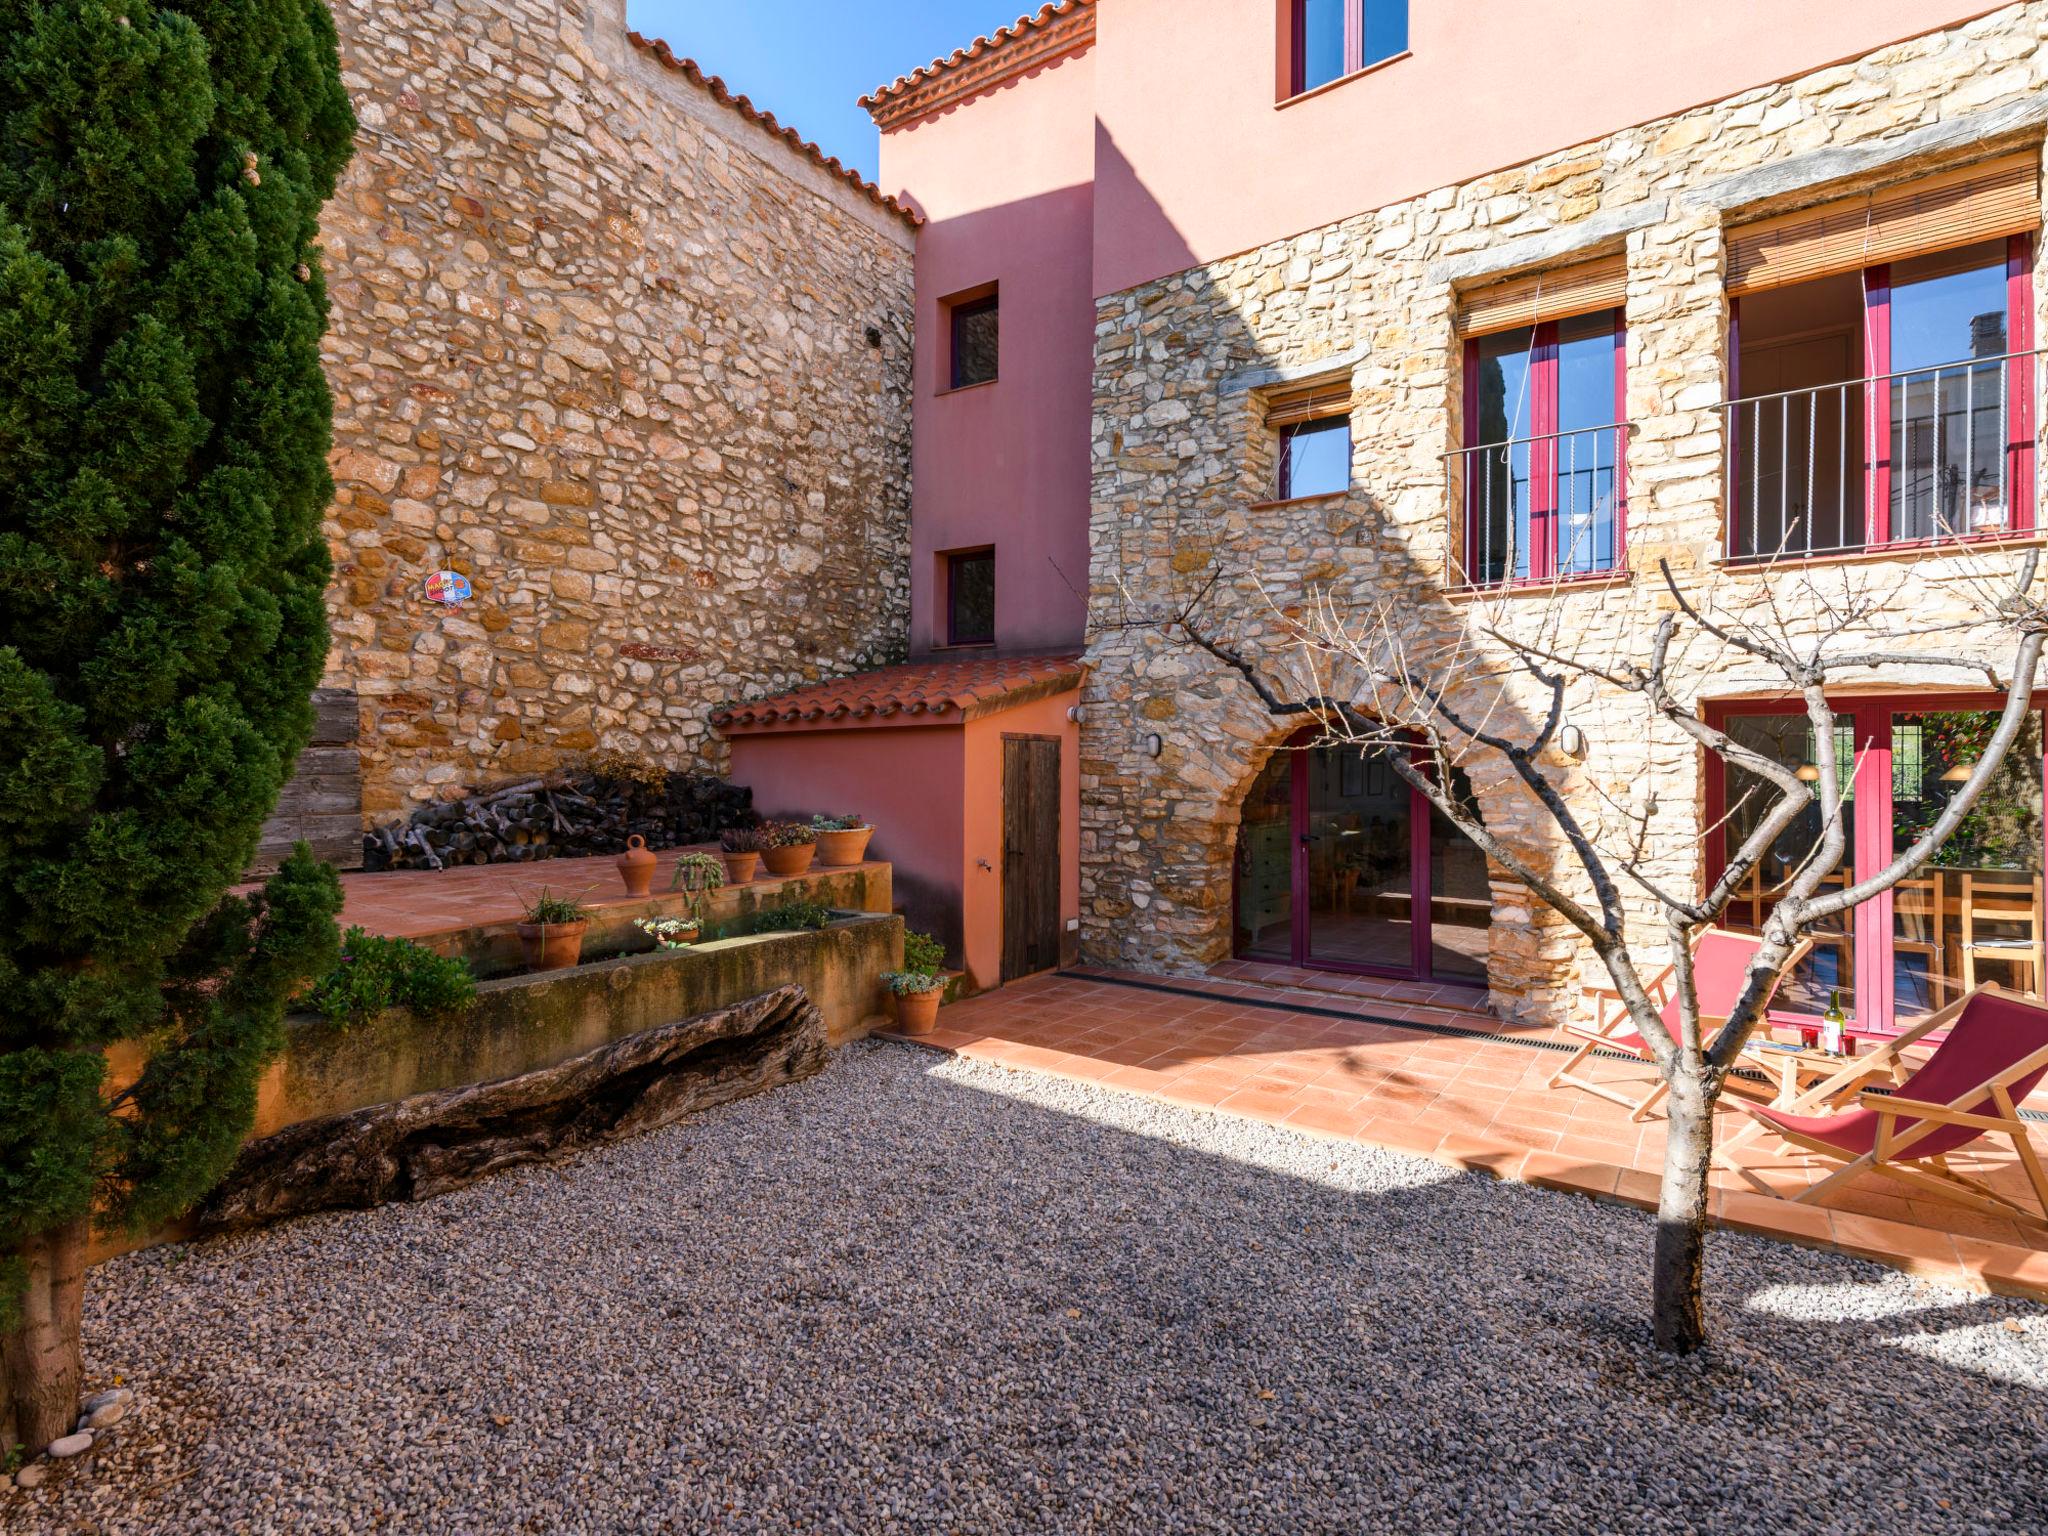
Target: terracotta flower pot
x: 848, y: 847
x: 552, y: 946
x: 636, y: 866
x: 740, y: 867
x: 917, y: 1013
x: 789, y: 861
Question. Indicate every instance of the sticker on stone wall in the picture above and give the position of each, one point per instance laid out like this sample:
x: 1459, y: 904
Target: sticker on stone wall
x: 450, y: 587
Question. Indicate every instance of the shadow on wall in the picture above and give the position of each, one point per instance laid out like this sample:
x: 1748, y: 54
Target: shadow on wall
x: 1184, y: 461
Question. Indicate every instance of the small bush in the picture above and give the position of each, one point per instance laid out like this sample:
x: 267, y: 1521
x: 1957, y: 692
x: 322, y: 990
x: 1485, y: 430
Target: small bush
x: 378, y: 973
x: 788, y: 834
x: 743, y: 839
x: 923, y: 953
x: 912, y: 983
x: 790, y: 917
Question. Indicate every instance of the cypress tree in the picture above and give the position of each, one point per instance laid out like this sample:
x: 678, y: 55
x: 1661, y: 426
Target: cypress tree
x: 164, y: 427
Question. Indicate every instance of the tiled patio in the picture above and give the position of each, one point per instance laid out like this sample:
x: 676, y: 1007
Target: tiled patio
x: 1407, y: 1067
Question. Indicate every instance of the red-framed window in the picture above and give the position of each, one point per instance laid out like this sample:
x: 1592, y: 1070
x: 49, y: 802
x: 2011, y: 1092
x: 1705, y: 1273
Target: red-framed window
x: 1974, y: 914
x: 1545, y: 459
x: 970, y: 596
x: 1329, y: 39
x: 1910, y: 426
x: 1315, y: 458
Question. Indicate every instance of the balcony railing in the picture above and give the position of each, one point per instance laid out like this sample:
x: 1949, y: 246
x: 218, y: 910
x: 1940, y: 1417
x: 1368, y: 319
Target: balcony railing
x: 1538, y: 510
x: 1928, y: 456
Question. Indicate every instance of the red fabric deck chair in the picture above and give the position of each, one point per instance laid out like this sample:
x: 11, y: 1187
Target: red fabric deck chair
x: 1995, y: 1053
x: 1720, y: 962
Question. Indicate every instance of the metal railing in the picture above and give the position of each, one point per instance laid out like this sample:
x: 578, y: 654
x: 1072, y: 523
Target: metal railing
x: 1922, y: 456
x: 1539, y: 509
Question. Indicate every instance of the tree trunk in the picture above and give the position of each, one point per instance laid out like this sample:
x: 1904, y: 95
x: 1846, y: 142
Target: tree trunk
x: 1681, y: 1325
x: 40, y: 1365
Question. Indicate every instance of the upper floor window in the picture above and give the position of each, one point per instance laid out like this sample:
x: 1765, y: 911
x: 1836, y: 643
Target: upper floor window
x: 1334, y: 38
x: 1542, y: 477
x: 972, y: 335
x: 970, y: 597
x: 1883, y: 372
x: 1314, y: 440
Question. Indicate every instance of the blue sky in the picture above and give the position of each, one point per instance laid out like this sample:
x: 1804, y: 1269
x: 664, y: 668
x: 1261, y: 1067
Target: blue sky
x: 809, y: 61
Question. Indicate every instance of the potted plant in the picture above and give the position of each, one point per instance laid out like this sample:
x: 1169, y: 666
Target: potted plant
x: 740, y: 848
x: 552, y: 933
x: 670, y: 932
x: 842, y: 839
x: 918, y: 987
x: 791, y: 847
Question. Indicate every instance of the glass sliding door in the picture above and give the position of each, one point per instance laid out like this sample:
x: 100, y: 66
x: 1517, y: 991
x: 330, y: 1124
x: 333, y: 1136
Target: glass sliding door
x: 1341, y: 865
x: 1361, y: 861
x: 1265, y: 864
x: 1974, y: 914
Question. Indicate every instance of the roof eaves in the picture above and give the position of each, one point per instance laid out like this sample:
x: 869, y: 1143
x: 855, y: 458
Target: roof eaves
x: 1059, y: 28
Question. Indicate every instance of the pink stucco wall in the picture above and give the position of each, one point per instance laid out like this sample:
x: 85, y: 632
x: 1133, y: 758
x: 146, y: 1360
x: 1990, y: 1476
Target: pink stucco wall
x: 1005, y: 182
x: 935, y: 796
x: 1196, y: 162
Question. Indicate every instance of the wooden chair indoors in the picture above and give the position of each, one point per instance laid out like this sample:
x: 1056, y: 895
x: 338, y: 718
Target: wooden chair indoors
x: 2000, y: 919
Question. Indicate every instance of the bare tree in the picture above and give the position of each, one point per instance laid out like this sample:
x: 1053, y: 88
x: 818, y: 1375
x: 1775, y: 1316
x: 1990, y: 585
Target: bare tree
x: 1490, y: 699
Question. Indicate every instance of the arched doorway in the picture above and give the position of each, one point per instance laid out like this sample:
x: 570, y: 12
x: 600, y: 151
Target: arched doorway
x: 1342, y: 866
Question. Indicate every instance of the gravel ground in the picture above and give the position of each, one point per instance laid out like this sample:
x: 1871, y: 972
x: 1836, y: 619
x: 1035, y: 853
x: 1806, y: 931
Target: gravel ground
x: 917, y: 1295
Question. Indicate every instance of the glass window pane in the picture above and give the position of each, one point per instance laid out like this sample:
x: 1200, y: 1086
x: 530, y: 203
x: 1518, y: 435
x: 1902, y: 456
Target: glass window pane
x: 1948, y: 420
x: 1974, y: 914
x: 975, y: 338
x: 1498, y: 491
x: 971, y: 599
x: 1319, y: 40
x: 1587, y: 357
x: 1830, y: 968
x: 1315, y: 458
x: 1265, y: 863
x: 1386, y: 29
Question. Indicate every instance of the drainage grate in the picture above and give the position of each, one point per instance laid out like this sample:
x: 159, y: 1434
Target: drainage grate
x: 1453, y: 1031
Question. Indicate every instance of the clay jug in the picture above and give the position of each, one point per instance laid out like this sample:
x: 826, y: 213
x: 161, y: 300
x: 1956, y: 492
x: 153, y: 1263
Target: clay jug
x: 636, y: 866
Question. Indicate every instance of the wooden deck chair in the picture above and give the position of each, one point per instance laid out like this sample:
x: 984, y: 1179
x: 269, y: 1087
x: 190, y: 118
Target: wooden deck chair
x: 1720, y: 961
x: 1995, y: 1052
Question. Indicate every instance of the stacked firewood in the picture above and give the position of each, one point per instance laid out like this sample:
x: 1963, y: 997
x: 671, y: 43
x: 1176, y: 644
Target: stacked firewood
x: 561, y: 817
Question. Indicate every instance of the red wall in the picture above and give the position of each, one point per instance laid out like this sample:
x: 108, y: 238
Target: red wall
x: 1005, y: 182
x: 1196, y: 162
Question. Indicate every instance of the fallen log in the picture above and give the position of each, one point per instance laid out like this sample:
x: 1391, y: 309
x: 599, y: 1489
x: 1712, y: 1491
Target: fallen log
x: 432, y: 1143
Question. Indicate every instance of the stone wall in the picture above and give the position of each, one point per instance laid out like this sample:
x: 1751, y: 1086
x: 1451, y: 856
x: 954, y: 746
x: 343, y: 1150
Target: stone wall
x: 1182, y: 461
x: 614, y: 347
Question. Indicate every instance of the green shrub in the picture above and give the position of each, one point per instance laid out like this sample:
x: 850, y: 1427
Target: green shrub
x: 922, y: 953
x: 790, y: 917
x: 376, y: 973
x: 555, y: 910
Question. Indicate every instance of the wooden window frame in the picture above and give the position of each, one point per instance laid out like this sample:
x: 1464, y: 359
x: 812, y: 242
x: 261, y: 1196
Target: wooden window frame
x: 952, y: 560
x: 986, y: 299
x: 1292, y: 82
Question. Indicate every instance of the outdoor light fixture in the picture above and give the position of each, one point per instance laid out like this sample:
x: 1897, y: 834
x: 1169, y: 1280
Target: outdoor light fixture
x: 1809, y: 773
x: 1153, y: 745
x: 1960, y: 774
x: 1571, y: 741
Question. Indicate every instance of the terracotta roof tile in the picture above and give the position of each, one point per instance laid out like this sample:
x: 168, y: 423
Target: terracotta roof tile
x: 1058, y: 27
x: 939, y: 692
x: 720, y: 92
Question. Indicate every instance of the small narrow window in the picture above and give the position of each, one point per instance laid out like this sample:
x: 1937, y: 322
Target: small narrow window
x: 974, y: 327
x: 1315, y: 458
x: 971, y: 597
x: 1335, y: 38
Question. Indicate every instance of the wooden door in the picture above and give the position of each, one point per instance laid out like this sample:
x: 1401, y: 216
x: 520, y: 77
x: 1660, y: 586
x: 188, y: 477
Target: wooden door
x: 1031, y: 855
